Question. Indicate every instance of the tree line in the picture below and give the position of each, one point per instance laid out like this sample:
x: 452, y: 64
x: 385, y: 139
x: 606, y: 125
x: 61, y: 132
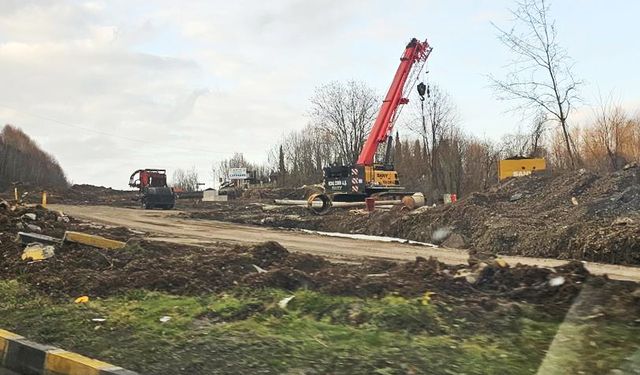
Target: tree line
x: 22, y: 161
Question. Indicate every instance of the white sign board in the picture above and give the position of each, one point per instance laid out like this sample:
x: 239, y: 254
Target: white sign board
x: 238, y: 174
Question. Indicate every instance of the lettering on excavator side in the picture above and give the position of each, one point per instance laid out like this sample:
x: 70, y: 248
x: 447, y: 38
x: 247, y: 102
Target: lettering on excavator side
x: 337, y: 183
x: 521, y: 173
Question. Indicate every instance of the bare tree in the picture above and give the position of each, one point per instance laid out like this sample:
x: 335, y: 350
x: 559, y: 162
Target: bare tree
x: 526, y: 143
x: 345, y: 112
x: 538, y: 128
x: 610, y: 132
x: 236, y: 161
x: 186, y: 180
x: 480, y: 164
x: 441, y: 117
x: 541, y: 75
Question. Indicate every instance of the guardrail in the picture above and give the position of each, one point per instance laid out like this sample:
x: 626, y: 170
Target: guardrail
x: 26, y: 357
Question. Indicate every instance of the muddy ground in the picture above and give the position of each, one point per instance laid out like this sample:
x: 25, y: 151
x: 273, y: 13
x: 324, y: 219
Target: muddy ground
x: 579, y: 215
x: 473, y: 303
x: 180, y: 269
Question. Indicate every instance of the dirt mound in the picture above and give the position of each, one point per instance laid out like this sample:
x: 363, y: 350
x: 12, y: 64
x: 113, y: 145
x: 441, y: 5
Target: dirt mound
x: 269, y: 253
x: 98, y: 195
x: 575, y: 215
x: 77, y: 270
x: 570, y: 216
x: 80, y: 194
x: 30, y: 219
x: 284, y: 278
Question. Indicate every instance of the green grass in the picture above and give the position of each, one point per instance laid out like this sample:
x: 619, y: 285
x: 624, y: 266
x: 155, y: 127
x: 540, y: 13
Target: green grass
x: 245, y: 331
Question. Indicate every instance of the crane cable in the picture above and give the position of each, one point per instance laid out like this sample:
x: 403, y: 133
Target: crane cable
x: 414, y: 74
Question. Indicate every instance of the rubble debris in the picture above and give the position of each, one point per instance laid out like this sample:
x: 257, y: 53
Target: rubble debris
x: 623, y: 221
x: 33, y: 227
x: 36, y: 252
x: 81, y: 299
x: 455, y: 241
x: 29, y: 215
x: 557, y: 281
x: 27, y: 238
x: 259, y: 269
x: 385, y: 274
x: 500, y: 263
x: 516, y: 197
x: 62, y: 217
x: 300, y: 193
x: 284, y: 302
x: 440, y: 234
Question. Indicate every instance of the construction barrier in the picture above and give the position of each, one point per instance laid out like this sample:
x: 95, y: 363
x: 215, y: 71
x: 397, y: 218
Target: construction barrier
x: 26, y: 357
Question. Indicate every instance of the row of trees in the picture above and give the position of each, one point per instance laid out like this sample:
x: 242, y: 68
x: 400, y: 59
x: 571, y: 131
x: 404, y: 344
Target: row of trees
x: 22, y: 161
x: 436, y: 156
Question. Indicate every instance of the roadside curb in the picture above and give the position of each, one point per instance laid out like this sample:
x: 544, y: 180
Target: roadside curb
x: 27, y: 357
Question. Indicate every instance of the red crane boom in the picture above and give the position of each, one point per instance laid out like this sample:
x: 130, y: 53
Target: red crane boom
x: 414, y: 52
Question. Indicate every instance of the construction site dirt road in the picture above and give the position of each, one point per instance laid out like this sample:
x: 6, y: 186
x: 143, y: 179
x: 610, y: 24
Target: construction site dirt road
x: 169, y: 227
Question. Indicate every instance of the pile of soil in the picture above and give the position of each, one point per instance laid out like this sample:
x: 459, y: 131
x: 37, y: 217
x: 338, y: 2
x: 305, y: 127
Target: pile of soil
x: 15, y: 219
x: 79, y: 270
x: 39, y: 220
x: 577, y: 215
x: 95, y: 195
x: 79, y: 194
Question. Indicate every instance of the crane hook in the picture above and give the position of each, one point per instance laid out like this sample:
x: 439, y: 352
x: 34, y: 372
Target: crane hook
x: 422, y: 88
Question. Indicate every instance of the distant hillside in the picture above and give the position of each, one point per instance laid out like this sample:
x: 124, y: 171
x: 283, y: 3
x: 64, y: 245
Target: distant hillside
x: 21, y: 160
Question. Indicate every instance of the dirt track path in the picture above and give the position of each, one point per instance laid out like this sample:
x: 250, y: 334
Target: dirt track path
x: 166, y: 226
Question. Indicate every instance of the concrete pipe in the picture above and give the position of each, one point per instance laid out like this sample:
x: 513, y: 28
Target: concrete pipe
x: 326, y: 203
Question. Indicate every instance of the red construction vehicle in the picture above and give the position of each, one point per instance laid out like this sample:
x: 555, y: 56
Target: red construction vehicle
x: 367, y: 177
x: 154, y: 191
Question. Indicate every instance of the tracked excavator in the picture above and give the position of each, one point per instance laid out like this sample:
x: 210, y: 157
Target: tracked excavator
x: 154, y: 191
x: 368, y: 177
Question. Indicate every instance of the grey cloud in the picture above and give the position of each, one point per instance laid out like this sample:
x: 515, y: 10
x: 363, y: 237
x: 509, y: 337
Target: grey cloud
x: 183, y: 109
x: 231, y: 84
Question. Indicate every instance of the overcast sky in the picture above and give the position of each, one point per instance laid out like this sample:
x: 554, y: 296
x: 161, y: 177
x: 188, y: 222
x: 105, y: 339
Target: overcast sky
x: 112, y: 86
